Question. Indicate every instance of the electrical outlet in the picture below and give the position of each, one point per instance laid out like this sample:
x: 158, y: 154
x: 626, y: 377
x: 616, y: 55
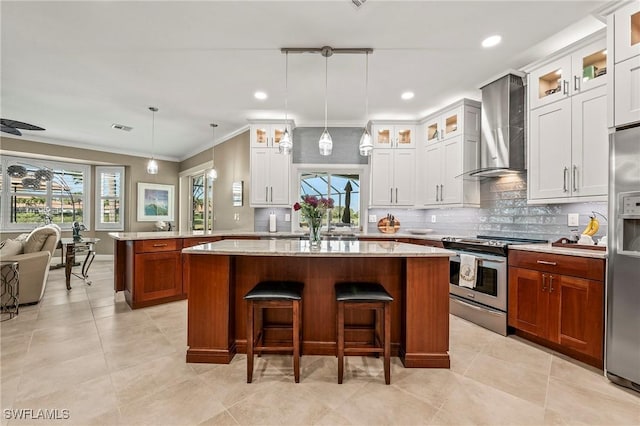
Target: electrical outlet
x: 236, y: 216
x: 373, y: 218
x: 287, y: 217
x: 573, y: 219
x: 433, y: 218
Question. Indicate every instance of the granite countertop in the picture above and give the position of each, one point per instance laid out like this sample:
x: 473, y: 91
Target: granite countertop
x: 548, y: 248
x: 285, y: 247
x: 130, y: 236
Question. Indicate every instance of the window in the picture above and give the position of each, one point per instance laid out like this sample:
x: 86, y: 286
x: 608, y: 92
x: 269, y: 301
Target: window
x: 38, y: 191
x: 344, y: 188
x: 201, y: 202
x: 109, y: 198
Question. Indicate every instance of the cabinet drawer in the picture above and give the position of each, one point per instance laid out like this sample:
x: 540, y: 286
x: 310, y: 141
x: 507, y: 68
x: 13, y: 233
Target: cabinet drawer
x: 583, y: 267
x: 152, y: 246
x: 190, y: 242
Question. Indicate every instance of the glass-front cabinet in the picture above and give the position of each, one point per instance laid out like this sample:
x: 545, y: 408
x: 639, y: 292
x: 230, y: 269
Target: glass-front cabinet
x: 444, y: 126
x: 627, y: 32
x: 267, y: 135
x: 393, y: 135
x: 582, y: 70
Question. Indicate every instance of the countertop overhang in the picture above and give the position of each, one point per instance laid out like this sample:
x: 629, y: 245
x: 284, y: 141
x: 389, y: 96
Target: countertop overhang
x: 327, y: 249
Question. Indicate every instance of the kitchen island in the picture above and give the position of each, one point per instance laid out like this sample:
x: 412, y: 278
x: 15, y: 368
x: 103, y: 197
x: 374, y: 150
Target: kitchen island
x: 219, y: 274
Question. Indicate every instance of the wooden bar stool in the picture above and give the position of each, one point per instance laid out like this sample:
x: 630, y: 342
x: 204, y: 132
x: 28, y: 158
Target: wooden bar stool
x: 370, y: 296
x: 278, y: 295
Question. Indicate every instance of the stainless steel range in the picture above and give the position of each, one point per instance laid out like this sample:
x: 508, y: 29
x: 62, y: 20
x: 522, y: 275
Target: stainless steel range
x: 484, y: 299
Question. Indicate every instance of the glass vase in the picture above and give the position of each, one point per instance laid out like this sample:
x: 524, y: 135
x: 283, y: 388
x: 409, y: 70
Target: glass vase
x: 314, y: 232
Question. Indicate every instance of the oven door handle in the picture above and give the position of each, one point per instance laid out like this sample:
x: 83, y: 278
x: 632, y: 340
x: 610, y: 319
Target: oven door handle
x: 481, y: 260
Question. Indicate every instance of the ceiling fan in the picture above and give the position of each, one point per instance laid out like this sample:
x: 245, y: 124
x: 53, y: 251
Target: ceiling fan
x: 12, y: 126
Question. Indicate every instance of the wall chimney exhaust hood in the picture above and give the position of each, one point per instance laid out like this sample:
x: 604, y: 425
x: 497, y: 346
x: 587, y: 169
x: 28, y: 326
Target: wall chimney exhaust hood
x: 502, y: 148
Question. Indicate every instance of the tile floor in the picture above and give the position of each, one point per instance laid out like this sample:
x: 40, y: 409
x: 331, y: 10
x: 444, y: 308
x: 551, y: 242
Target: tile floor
x: 86, y: 352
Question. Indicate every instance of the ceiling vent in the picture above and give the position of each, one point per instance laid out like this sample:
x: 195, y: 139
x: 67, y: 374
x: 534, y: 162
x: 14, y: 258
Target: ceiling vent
x: 121, y: 127
x: 358, y: 3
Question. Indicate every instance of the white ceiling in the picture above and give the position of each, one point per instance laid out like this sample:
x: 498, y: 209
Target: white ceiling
x: 77, y: 67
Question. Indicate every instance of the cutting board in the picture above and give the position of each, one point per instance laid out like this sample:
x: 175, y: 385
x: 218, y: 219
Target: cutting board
x: 384, y: 226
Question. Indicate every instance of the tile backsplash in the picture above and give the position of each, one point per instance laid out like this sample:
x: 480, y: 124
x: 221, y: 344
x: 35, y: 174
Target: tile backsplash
x: 503, y: 212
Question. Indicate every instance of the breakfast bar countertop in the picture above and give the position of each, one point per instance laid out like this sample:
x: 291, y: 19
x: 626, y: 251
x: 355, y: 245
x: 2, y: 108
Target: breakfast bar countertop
x: 327, y: 248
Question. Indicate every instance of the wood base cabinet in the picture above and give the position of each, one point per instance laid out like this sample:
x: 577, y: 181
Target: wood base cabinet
x: 561, y: 311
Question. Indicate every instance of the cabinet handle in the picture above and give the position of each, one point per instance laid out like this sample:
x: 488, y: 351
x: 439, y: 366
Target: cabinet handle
x: 272, y: 194
x: 544, y: 282
x: 391, y: 195
x: 396, y: 195
x: 546, y: 262
x: 266, y: 193
x: 576, y: 82
x: 564, y: 177
x: 442, y: 192
x: 160, y: 245
x: 550, y: 283
x: 565, y: 87
x: 575, y: 178
x: 437, y: 199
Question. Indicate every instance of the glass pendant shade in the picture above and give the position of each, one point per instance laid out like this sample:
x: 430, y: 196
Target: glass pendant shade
x: 286, y: 144
x: 326, y: 143
x: 366, y: 143
x: 213, y: 174
x: 152, y: 167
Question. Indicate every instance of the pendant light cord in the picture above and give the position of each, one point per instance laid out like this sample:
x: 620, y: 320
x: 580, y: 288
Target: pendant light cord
x: 366, y: 86
x: 286, y: 86
x: 153, y: 127
x: 326, y: 79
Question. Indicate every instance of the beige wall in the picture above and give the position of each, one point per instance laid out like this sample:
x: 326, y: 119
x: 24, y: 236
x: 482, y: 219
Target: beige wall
x: 232, y: 164
x: 135, y: 172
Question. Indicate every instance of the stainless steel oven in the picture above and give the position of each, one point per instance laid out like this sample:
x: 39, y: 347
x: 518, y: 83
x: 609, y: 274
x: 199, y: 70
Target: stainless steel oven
x: 486, y: 303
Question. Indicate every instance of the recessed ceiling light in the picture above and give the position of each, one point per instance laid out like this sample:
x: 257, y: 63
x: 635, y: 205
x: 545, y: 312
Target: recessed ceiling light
x: 407, y: 95
x: 260, y: 95
x: 491, y: 41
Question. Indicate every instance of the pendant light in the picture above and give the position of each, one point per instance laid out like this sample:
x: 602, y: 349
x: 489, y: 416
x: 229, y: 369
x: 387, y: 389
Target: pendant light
x: 152, y: 165
x: 366, y: 144
x: 213, y: 173
x: 286, y: 142
x: 326, y: 143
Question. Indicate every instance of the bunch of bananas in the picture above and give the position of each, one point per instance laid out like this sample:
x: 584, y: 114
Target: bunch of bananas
x: 592, y: 227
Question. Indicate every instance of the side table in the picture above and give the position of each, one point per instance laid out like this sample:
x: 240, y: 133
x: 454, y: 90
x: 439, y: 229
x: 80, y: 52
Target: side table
x: 71, y: 247
x: 9, y: 294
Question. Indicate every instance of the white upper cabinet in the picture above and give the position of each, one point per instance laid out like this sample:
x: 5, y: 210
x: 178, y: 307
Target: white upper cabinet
x: 270, y: 170
x: 627, y: 92
x: 568, y: 149
x: 448, y: 149
x: 623, y: 31
x: 393, y: 135
x: 393, y: 177
x: 270, y: 174
x: 579, y: 71
x: 626, y: 32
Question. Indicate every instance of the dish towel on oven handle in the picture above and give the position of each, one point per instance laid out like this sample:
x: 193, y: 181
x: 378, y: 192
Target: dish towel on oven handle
x: 468, y: 270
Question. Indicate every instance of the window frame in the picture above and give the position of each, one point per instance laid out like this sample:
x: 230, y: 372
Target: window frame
x: 99, y: 224
x: 5, y: 194
x: 360, y: 169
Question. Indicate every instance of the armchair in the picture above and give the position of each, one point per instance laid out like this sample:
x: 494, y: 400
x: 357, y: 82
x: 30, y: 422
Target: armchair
x: 33, y: 262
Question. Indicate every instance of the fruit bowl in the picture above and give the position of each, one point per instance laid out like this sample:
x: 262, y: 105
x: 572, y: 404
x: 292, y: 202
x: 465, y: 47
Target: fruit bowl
x: 419, y: 231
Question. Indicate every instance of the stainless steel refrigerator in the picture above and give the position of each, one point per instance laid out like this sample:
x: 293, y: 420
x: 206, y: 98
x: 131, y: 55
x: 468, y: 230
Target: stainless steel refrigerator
x: 622, y: 353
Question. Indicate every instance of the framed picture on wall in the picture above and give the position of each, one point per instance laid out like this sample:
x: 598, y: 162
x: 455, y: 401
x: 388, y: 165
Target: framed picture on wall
x: 155, y: 202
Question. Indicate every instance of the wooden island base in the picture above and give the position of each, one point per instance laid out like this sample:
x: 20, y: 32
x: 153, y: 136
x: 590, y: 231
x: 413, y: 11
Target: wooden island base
x: 217, y: 310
